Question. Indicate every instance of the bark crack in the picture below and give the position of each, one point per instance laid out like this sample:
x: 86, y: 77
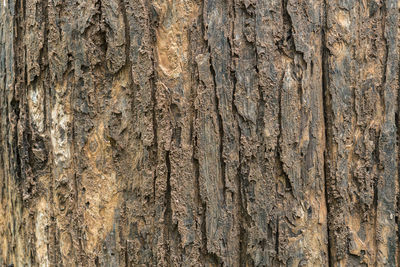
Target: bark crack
x: 168, y: 209
x: 220, y: 125
x: 171, y: 228
x: 153, y: 87
x: 128, y: 63
x: 19, y: 78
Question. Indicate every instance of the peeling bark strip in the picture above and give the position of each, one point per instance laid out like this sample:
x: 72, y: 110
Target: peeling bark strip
x: 199, y: 133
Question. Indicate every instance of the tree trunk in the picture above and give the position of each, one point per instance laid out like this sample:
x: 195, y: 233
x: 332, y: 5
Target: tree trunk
x: 199, y: 133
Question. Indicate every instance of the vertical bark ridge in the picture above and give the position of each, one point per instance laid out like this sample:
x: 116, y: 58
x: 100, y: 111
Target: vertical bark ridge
x: 388, y: 241
x: 361, y: 123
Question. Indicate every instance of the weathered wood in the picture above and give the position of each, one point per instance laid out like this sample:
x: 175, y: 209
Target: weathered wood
x: 199, y: 133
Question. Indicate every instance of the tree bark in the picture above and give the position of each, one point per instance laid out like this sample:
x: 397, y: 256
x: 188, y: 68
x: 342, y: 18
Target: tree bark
x: 199, y: 133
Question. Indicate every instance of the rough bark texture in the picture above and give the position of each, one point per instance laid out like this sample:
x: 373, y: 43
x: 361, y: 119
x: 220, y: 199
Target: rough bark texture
x: 199, y: 133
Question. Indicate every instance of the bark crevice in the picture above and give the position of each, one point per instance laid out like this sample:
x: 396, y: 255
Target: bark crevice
x: 327, y: 110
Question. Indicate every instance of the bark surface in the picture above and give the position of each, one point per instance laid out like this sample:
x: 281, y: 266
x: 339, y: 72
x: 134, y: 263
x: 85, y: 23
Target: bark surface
x: 199, y: 133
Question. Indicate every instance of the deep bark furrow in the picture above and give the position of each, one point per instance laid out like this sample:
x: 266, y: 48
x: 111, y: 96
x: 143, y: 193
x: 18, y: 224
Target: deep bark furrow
x: 327, y: 113
x: 220, y: 126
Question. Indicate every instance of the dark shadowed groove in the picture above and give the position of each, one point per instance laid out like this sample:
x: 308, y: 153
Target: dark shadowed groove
x: 277, y: 239
x: 213, y: 257
x: 220, y: 124
x: 45, y: 55
x: 242, y: 237
x: 173, y: 238
x: 210, y: 257
x: 14, y: 103
x: 385, y: 61
x: 22, y: 92
x: 290, y: 46
x: 236, y: 116
x: 128, y: 63
x: 153, y: 19
x: 242, y: 214
x: 199, y: 203
x: 75, y: 158
x: 303, y: 64
x: 168, y: 210
x: 126, y: 256
x: 154, y: 150
x: 327, y: 123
